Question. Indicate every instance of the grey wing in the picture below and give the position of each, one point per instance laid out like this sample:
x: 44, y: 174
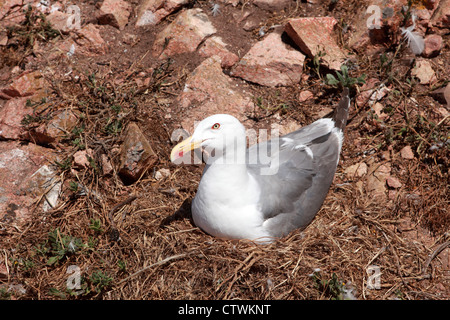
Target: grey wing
x: 295, y: 173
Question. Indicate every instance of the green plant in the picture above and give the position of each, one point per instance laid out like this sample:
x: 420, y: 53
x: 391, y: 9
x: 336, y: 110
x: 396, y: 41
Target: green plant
x: 113, y: 127
x: 316, y: 62
x: 65, y: 164
x: 96, y: 225
x: 122, y: 265
x: 34, y: 26
x: 101, y: 280
x: 62, y: 245
x: 332, y: 288
x: 4, y: 294
x: 73, y: 186
x: 344, y: 79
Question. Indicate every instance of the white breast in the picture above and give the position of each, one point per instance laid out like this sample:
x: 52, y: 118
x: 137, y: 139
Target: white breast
x: 218, y: 213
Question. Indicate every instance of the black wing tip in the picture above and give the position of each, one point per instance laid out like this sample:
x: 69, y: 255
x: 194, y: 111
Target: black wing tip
x: 341, y: 112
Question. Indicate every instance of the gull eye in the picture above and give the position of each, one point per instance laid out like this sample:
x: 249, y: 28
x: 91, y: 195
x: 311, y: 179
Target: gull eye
x: 215, y: 126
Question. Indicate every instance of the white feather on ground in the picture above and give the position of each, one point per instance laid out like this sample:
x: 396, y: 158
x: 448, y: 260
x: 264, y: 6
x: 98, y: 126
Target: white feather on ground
x: 415, y: 40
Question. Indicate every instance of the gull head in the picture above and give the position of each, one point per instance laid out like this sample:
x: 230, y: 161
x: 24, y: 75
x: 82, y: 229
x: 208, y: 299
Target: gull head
x: 217, y: 133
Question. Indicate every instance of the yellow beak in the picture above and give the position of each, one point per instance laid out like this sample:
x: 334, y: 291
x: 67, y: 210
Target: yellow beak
x: 183, y: 147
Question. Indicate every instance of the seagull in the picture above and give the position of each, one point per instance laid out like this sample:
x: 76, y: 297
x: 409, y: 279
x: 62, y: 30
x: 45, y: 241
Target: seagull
x: 270, y: 189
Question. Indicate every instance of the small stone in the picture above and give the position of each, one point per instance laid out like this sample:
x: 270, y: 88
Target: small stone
x: 136, y: 155
x: 441, y: 16
x: 271, y: 5
x: 106, y: 165
x: 305, y: 96
x: 407, y: 153
x: 358, y: 170
x: 433, y: 46
x: 162, y: 173
x: 59, y: 21
x: 114, y: 13
x: 86, y: 41
x: 25, y: 85
x: 393, y: 182
x: 151, y: 12
x: 80, y: 158
x: 215, y: 46
x: 376, y: 179
x: 424, y: 72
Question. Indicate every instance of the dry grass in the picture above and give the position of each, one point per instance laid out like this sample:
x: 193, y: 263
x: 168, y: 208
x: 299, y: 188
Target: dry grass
x: 137, y: 241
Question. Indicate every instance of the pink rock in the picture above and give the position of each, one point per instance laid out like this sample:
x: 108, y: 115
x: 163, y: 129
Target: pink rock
x: 424, y: 72
x: 305, y: 95
x: 11, y: 116
x: 215, y: 46
x: 184, y: 34
x: 25, y: 85
x: 407, y: 153
x: 87, y: 41
x: 136, y: 155
x: 59, y: 21
x: 11, y: 12
x: 441, y: 16
x: 315, y: 35
x: 54, y: 130
x: 209, y: 91
x: 151, y: 12
x: 114, y: 13
x: 271, y: 4
x: 271, y: 63
x: 358, y: 170
x: 433, y: 46
x: 393, y: 182
x: 376, y: 179
x: 80, y: 158
x: 20, y: 171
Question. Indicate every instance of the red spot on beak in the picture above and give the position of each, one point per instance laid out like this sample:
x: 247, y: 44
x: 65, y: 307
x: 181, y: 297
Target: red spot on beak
x: 180, y: 154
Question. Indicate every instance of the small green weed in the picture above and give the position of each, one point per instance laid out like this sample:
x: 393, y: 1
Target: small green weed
x: 61, y: 246
x: 344, y: 79
x: 332, y: 288
x: 101, y: 280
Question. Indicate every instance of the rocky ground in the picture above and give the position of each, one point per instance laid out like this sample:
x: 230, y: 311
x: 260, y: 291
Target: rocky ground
x: 94, y: 94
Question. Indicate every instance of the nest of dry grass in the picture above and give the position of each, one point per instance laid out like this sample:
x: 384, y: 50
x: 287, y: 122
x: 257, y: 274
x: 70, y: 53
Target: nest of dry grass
x: 138, y: 242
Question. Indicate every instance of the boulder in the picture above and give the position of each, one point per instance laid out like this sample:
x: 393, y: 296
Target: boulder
x: 270, y: 62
